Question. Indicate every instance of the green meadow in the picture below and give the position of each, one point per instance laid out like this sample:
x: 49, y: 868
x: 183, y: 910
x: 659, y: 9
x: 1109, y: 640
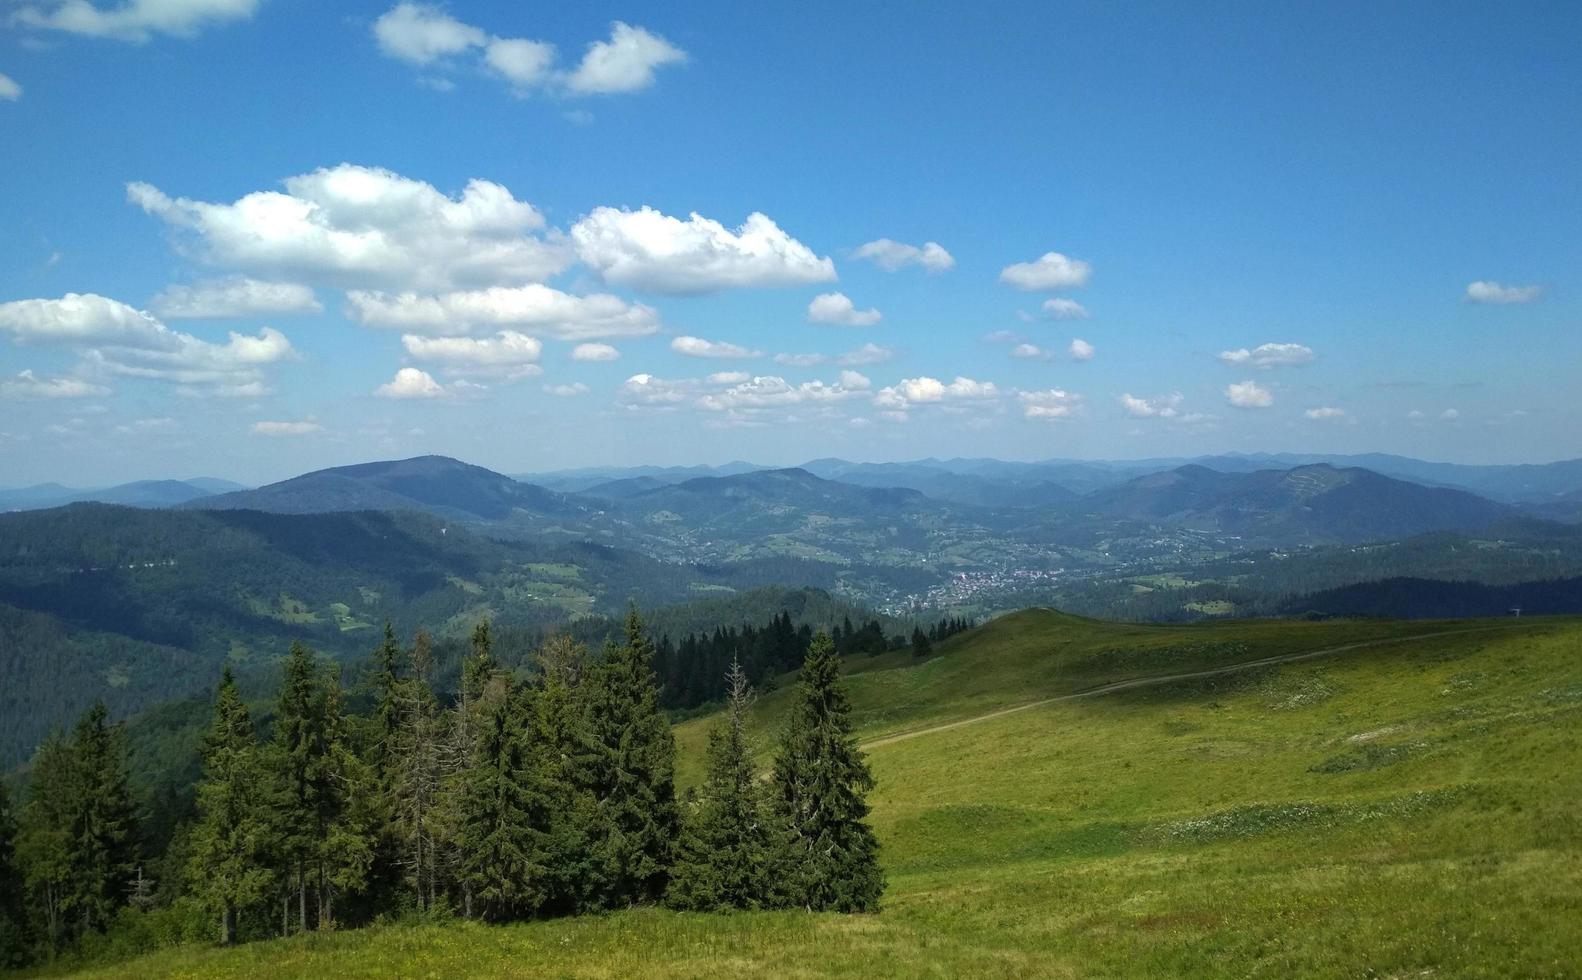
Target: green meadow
x: 1410, y: 806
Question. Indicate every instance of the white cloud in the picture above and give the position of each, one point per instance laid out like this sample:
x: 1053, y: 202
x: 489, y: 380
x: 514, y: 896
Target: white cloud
x: 302, y: 428
x: 1080, y: 350
x: 926, y: 390
x: 1249, y: 394
x: 10, y: 91
x: 836, y: 308
x: 624, y: 63
x: 1050, y: 271
x: 1416, y: 415
x: 522, y: 62
x: 1267, y: 356
x: 869, y: 353
x: 594, y: 352
x: 114, y: 338
x: 1163, y: 407
x: 801, y: 360
x: 1325, y: 412
x: 728, y: 377
x: 411, y: 383
x: 508, y: 355
x: 1060, y: 308
x: 1051, y: 403
x: 1487, y: 291
x: 234, y: 297
x: 571, y: 390
x: 26, y: 384
x: 647, y: 390
x: 1002, y: 337
x: 775, y: 392
x: 698, y: 347
x: 134, y: 20
x: 892, y: 255
x: 650, y: 250
x: 366, y: 227
x: 532, y: 307
x: 1030, y: 352
x: 1449, y: 415
x: 422, y: 34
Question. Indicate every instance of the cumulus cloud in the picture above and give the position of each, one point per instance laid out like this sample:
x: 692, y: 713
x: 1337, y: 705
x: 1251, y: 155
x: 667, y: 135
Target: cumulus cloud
x: 925, y: 390
x: 1051, y: 403
x: 650, y: 391
x: 869, y: 353
x: 134, y: 20
x: 1487, y: 291
x: 508, y: 355
x: 10, y: 91
x: 728, y: 377
x: 1049, y: 271
x: 411, y: 383
x: 648, y: 249
x: 891, y: 255
x: 624, y: 63
x: 570, y: 390
x: 1249, y: 394
x: 533, y: 307
x: 421, y: 34
x: 305, y: 427
x: 426, y: 36
x: 1060, y: 308
x: 1080, y: 350
x: 775, y: 392
x: 1267, y: 356
x: 698, y: 347
x: 1325, y: 412
x: 1163, y: 407
x: 26, y: 384
x: 357, y: 226
x: 1449, y: 415
x: 836, y: 308
x: 1030, y: 352
x: 594, y: 352
x: 238, y: 296
x: 116, y: 339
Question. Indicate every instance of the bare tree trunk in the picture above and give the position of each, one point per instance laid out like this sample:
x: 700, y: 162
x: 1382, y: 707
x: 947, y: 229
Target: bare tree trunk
x: 302, y: 898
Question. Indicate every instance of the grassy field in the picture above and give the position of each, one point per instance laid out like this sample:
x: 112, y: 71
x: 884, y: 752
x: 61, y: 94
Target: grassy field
x: 1412, y: 808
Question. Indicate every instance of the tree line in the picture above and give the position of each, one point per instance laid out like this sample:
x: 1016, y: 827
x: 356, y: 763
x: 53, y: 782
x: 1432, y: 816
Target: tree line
x: 517, y: 799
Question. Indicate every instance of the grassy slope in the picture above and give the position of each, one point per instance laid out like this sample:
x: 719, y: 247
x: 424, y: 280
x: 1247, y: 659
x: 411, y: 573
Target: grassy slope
x: 1405, y: 810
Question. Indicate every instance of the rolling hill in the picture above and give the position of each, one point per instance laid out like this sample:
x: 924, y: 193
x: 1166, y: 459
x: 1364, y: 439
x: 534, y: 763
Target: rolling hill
x: 1305, y: 505
x: 435, y: 484
x: 1402, y: 805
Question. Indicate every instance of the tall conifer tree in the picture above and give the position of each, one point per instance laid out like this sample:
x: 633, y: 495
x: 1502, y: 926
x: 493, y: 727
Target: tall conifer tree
x: 725, y: 847
x: 830, y: 855
x: 232, y: 842
x: 14, y: 936
x: 101, y: 823
x: 42, y: 836
x: 631, y: 773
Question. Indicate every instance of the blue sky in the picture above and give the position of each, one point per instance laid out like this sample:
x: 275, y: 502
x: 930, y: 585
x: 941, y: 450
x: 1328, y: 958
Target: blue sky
x: 1158, y: 230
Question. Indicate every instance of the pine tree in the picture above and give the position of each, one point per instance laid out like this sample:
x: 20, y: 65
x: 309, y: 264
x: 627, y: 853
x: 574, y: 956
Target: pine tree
x: 467, y: 724
x: 631, y: 773
x: 725, y: 847
x: 830, y: 855
x: 232, y: 842
x: 502, y: 813
x: 921, y: 646
x: 326, y: 815
x: 42, y: 836
x: 558, y: 735
x: 14, y: 935
x: 416, y: 777
x: 101, y: 823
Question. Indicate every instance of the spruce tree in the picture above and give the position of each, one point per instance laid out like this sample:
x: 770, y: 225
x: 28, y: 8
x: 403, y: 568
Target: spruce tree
x: 631, y: 773
x: 557, y: 734
x: 14, y: 936
x: 417, y: 772
x: 829, y: 859
x: 725, y: 847
x: 42, y: 836
x: 502, y: 813
x: 921, y: 646
x: 232, y: 841
x: 101, y: 823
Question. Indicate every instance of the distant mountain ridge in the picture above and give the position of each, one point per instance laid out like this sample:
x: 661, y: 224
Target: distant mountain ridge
x: 139, y: 493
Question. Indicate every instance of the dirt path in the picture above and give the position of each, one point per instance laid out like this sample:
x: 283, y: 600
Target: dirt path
x: 1154, y: 681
